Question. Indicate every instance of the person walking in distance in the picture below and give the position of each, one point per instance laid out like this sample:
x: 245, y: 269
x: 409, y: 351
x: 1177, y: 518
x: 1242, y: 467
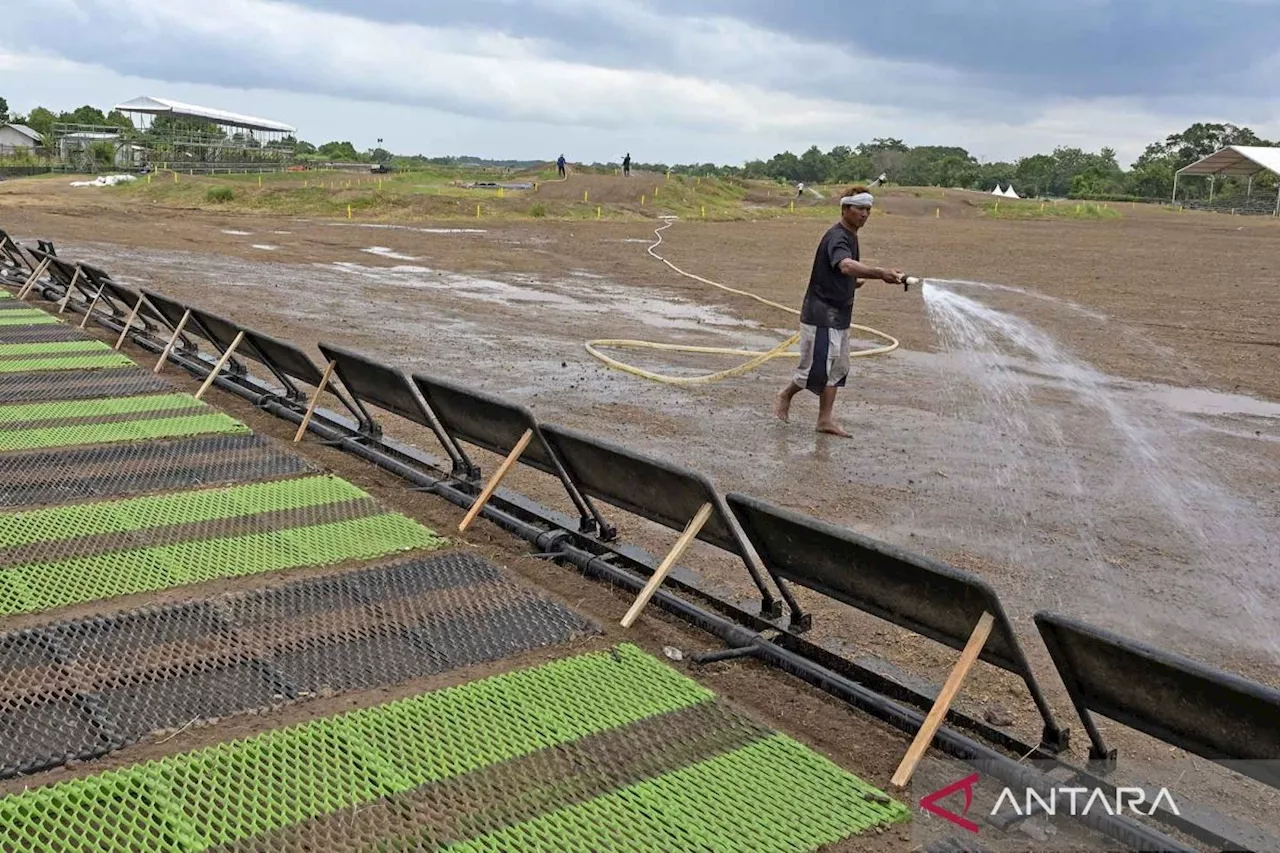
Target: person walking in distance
x: 560, y: 165
x: 827, y: 311
x: 626, y: 165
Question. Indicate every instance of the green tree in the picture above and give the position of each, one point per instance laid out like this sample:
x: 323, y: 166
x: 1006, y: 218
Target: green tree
x: 4, y: 111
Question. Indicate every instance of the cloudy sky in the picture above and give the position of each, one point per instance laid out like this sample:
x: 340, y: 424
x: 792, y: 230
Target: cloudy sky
x: 668, y: 80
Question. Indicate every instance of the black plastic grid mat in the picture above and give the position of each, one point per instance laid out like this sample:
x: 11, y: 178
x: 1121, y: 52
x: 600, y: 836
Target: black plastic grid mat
x: 79, y: 690
x: 77, y: 473
x: 45, y: 333
x: 47, y: 386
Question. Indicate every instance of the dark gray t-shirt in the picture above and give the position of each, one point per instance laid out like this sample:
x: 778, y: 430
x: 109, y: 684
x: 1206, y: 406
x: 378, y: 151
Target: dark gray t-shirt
x: 828, y: 301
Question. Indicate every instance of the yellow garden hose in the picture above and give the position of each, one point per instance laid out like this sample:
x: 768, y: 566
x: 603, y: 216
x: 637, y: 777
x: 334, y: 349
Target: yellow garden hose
x: 756, y: 359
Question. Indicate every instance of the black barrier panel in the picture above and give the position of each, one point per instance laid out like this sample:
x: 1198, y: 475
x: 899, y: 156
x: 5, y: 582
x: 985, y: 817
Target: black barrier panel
x: 496, y: 425
x: 653, y: 489
x: 1204, y: 710
x: 128, y: 297
x: 222, y: 333
x: 101, y: 286
x: 285, y: 359
x: 392, y: 390
x: 172, y: 311
x: 912, y: 591
x: 58, y: 271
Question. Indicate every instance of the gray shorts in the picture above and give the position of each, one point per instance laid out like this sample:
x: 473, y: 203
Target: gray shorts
x: 824, y: 358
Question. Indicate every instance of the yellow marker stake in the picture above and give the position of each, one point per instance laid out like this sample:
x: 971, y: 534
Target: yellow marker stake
x: 704, y: 211
x: 937, y: 213
x: 642, y: 201
x: 598, y: 212
x: 477, y: 211
x: 793, y: 206
x: 348, y: 211
x: 259, y: 180
x: 584, y: 195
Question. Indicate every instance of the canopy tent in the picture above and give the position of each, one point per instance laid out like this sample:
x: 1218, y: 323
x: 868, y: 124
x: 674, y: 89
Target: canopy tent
x: 1235, y: 160
x: 164, y: 106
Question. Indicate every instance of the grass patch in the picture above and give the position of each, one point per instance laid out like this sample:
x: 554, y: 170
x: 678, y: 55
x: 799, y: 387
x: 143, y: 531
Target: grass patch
x: 219, y: 195
x: 1031, y: 209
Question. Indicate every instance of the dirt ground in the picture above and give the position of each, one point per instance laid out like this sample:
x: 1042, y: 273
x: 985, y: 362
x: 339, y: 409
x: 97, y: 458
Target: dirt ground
x: 1142, y: 498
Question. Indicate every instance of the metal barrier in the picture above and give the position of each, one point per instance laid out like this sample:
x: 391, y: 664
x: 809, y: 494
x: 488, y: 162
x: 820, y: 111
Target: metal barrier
x: 945, y: 604
x: 140, y: 310
x: 659, y: 491
x: 390, y: 389
x: 511, y: 431
x: 178, y: 317
x: 286, y: 360
x: 1204, y: 710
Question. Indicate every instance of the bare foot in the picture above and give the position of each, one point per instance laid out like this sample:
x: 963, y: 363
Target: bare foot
x: 782, y: 406
x: 832, y: 428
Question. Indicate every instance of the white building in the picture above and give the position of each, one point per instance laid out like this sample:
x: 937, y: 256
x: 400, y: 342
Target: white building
x: 17, y: 138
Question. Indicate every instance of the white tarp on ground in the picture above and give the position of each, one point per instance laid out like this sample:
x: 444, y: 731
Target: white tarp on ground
x: 105, y: 181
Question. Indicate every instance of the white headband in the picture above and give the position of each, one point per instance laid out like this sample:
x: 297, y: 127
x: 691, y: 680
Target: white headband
x: 859, y: 200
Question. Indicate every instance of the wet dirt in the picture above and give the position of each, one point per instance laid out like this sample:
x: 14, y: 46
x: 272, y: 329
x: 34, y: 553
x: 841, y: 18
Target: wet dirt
x: 1060, y: 521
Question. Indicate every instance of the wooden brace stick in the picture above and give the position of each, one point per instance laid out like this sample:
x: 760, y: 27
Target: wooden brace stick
x: 66, y: 300
x: 315, y: 399
x: 128, y: 322
x: 691, y: 530
x: 177, y: 333
x: 946, y: 696
x: 217, y: 368
x: 35, y: 276
x: 492, y: 486
x: 92, y: 305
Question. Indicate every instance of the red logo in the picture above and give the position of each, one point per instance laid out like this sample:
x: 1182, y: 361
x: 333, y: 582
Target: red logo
x: 930, y: 803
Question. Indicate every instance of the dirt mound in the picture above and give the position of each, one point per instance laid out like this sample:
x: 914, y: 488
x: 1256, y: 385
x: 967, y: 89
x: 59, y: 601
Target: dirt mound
x: 602, y: 189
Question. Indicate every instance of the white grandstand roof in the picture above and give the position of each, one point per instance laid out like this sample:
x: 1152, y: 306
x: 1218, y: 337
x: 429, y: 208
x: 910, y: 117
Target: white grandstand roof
x: 164, y: 106
x: 1236, y: 160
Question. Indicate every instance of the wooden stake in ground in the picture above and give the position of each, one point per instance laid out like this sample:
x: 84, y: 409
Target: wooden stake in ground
x: 177, y: 333
x: 133, y: 315
x: 217, y: 368
x: 92, y: 305
x: 942, y: 704
x: 66, y: 300
x: 315, y: 399
x: 35, y: 276
x: 691, y: 530
x: 492, y: 486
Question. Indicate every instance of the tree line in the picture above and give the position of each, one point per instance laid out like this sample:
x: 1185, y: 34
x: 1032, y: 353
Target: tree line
x: 1064, y: 173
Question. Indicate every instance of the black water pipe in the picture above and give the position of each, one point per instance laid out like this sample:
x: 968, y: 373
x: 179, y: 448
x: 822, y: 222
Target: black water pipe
x: 1134, y: 835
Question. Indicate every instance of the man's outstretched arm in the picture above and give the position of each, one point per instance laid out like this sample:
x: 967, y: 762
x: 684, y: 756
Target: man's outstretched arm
x: 857, y: 269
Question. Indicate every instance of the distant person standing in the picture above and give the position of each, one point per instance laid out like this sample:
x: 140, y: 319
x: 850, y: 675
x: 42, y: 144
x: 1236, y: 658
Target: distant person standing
x: 799, y: 189
x: 626, y: 165
x: 560, y: 166
x: 827, y: 311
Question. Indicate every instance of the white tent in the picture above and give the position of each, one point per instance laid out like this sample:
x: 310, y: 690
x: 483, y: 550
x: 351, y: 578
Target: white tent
x: 997, y: 190
x: 1237, y: 160
x: 1010, y: 193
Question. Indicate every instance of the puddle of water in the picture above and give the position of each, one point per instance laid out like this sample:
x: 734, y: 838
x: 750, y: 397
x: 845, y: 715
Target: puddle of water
x: 281, y: 232
x: 265, y: 247
x: 409, y: 228
x: 236, y: 233
x: 384, y: 252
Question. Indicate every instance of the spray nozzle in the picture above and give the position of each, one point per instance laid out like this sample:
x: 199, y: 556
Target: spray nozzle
x: 908, y: 280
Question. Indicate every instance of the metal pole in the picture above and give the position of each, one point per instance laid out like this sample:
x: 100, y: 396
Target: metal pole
x: 1174, y: 198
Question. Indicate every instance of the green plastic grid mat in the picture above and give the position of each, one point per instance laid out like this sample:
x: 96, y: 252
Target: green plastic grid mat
x: 66, y: 474
x: 26, y: 317
x: 69, y: 354
x: 47, y: 386
x: 29, y: 426
x: 81, y: 689
x: 609, y: 751
x: 65, y: 555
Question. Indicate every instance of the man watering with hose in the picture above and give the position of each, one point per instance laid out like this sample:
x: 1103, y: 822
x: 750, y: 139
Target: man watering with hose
x: 827, y: 311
